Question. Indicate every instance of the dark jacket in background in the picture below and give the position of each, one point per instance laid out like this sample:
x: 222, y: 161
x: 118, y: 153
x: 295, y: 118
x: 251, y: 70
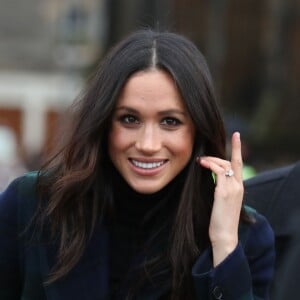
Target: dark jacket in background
x: 276, y: 194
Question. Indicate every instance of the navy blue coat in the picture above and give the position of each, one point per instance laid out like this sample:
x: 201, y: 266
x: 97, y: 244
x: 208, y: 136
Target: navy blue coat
x: 24, y: 264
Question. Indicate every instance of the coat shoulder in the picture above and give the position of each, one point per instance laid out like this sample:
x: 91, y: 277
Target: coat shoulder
x: 19, y: 200
x: 22, y: 185
x: 27, y: 182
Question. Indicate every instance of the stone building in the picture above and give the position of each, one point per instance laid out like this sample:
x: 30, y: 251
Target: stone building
x: 45, y: 47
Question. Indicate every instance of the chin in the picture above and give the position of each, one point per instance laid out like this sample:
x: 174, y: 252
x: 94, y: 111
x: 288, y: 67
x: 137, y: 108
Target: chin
x: 146, y: 189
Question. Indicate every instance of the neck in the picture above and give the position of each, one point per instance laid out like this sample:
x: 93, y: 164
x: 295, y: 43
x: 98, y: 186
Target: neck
x: 138, y: 207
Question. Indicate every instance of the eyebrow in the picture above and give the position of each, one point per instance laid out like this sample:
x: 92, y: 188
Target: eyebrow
x: 163, y: 112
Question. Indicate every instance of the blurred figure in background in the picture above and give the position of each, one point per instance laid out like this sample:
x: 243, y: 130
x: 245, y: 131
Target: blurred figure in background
x: 288, y: 277
x: 11, y: 165
x: 276, y: 193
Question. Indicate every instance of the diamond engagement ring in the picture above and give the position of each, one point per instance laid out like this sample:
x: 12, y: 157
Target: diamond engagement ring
x: 229, y: 173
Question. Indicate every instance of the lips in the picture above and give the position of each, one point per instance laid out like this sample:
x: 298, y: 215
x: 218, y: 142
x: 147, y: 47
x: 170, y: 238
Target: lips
x: 149, y: 165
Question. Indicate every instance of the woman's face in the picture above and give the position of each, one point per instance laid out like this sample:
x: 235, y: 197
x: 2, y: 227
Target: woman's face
x: 152, y: 135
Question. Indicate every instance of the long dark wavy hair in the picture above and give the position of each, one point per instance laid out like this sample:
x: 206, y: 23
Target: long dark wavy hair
x: 74, y: 186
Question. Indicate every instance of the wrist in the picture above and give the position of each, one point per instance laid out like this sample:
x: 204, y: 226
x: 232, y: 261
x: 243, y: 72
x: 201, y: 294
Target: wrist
x: 222, y: 249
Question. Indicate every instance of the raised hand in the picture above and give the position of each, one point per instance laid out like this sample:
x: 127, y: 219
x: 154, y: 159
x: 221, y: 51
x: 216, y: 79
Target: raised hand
x: 228, y: 197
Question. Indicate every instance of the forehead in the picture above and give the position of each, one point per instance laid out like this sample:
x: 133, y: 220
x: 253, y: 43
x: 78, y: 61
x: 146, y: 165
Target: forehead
x: 152, y: 87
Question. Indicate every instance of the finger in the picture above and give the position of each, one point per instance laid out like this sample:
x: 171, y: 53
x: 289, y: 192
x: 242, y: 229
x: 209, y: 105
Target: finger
x: 236, y: 155
x: 225, y: 164
x: 216, y: 168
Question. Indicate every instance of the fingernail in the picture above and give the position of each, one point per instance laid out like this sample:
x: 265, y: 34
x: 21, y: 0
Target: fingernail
x: 199, y: 158
x: 202, y: 159
x: 237, y: 135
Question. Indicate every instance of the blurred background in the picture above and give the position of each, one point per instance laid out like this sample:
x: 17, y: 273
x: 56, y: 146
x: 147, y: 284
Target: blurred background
x: 48, y: 49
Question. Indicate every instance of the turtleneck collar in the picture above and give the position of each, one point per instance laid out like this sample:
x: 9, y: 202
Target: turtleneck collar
x: 135, y: 208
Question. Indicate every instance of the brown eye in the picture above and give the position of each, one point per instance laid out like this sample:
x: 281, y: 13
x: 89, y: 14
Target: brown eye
x: 129, y: 119
x: 172, y: 122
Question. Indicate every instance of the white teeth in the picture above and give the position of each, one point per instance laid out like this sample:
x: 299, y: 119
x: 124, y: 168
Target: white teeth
x: 144, y: 165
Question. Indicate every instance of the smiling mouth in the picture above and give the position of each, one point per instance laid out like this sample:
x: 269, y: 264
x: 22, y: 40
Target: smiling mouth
x: 147, y: 165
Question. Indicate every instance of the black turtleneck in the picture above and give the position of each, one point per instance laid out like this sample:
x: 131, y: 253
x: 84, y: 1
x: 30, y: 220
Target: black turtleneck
x: 136, y: 218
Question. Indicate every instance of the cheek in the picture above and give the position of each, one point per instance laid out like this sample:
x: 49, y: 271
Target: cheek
x: 182, y: 145
x: 117, y: 140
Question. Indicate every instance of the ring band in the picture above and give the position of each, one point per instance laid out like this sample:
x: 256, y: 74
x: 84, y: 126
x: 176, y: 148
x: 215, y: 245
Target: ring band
x: 229, y: 173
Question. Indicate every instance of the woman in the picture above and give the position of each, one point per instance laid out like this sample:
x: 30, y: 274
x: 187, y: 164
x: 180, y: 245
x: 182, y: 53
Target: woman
x: 129, y: 209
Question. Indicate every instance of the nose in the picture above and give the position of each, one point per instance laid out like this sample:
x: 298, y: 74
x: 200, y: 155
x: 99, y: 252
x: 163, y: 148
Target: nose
x: 149, y: 140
